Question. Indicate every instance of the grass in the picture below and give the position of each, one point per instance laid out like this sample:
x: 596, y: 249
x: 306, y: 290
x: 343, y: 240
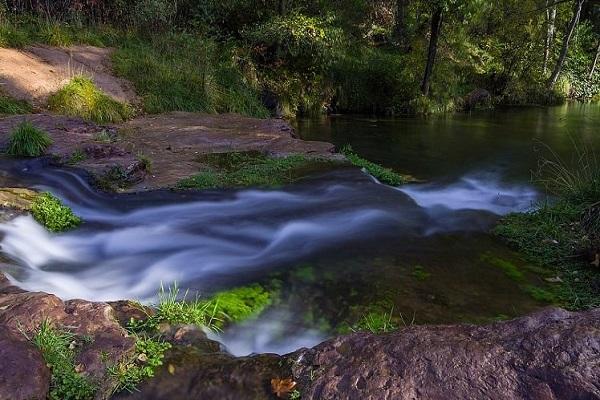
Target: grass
x: 59, y: 354
x: 420, y: 274
x: 11, y: 106
x: 376, y: 322
x: 52, y: 214
x: 149, y: 353
x: 242, y: 303
x: 557, y: 235
x: 81, y: 98
x: 243, y: 169
x: 382, y: 174
x: 28, y: 141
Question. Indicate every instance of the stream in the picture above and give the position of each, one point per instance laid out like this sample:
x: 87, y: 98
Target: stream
x: 333, y: 246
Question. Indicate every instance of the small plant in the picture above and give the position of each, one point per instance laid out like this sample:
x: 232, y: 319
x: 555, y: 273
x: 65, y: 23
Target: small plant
x: 77, y: 157
x: 144, y: 162
x: 12, y: 106
x: 149, y: 353
x: 104, y: 136
x: 56, y: 348
x: 81, y: 98
x: 376, y: 322
x: 384, y: 175
x: 295, y: 395
x: 51, y: 213
x: 28, y: 141
x: 420, y: 274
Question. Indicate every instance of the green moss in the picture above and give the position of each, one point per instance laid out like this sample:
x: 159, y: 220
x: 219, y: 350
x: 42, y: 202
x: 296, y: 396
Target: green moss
x: 250, y: 169
x: 384, y: 175
x: 50, y: 212
x: 241, y: 303
x: 420, y: 274
x: 59, y: 355
x: 510, y: 269
x: 304, y: 273
x: 28, y: 141
x: 9, y: 105
x: 541, y: 295
x: 81, y: 98
x: 376, y: 322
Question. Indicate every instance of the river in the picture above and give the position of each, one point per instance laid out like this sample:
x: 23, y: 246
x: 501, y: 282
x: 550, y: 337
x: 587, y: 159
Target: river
x: 334, y: 246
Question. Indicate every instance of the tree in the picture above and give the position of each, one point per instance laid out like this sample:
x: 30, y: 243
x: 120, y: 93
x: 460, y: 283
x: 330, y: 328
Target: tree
x: 400, y: 24
x: 550, y: 31
x: 435, y: 30
x: 566, y: 40
x: 595, y: 62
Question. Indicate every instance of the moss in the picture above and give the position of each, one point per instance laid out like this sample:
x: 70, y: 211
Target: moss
x: 510, y: 269
x: 384, y: 175
x: 243, y: 169
x: 304, y: 273
x: 541, y: 295
x: 9, y: 105
x: 420, y: 274
x: 55, y: 216
x: 58, y: 353
x: 241, y: 303
x: 81, y: 98
x: 28, y: 141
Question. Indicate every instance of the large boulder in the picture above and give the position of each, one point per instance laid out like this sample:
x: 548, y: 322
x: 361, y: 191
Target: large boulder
x: 553, y: 354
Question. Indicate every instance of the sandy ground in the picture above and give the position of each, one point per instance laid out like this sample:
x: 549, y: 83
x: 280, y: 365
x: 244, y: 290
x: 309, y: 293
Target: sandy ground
x: 33, y: 73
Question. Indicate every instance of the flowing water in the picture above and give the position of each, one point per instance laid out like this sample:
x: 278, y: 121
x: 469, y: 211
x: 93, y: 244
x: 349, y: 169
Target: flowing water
x: 334, y: 246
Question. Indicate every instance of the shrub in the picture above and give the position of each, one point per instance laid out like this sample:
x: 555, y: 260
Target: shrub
x: 81, y: 98
x: 50, y: 212
x: 28, y: 141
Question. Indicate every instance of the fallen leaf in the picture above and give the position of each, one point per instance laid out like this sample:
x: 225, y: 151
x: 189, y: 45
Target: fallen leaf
x: 171, y: 369
x: 142, y: 358
x: 282, y: 387
x: 79, y: 368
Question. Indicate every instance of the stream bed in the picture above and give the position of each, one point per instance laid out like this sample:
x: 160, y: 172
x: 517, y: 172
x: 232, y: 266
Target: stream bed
x: 333, y: 247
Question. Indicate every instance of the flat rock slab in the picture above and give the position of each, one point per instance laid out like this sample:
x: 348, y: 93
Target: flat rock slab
x: 173, y: 142
x: 34, y: 73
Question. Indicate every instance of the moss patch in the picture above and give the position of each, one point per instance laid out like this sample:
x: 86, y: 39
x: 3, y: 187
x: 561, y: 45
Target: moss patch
x: 420, y: 274
x: 55, y: 216
x: 241, y: 303
x: 384, y: 175
x: 81, y: 98
x: 510, y: 269
x: 243, y: 169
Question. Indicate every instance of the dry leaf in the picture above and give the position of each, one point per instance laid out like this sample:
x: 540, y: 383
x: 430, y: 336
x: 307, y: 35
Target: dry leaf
x: 79, y: 368
x: 171, y: 369
x: 142, y: 358
x: 282, y: 387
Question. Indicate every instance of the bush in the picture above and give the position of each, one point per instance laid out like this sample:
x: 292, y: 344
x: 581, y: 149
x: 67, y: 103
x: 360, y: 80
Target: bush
x: 81, y: 98
x: 28, y: 141
x: 51, y: 213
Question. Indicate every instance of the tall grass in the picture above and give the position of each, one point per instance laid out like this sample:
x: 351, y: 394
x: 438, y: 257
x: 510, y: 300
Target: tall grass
x: 578, y: 180
x: 28, y: 141
x: 81, y: 98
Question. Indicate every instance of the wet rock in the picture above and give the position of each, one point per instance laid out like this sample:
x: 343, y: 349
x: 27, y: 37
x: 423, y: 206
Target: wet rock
x: 189, y: 373
x: 190, y: 336
x: 553, y: 354
x: 16, y: 198
x: 23, y: 372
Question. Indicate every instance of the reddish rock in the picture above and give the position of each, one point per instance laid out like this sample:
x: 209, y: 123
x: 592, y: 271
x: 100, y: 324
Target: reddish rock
x: 553, y: 354
x: 23, y: 372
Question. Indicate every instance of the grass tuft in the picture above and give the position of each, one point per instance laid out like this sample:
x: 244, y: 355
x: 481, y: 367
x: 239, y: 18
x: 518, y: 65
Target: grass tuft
x: 59, y: 355
x: 81, y: 98
x: 55, y: 216
x: 376, y: 322
x: 11, y: 106
x: 384, y: 175
x: 28, y: 141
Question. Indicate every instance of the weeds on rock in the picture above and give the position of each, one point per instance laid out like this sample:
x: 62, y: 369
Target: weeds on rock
x: 384, y: 175
x: 11, y: 106
x: 51, y: 213
x: 28, y: 141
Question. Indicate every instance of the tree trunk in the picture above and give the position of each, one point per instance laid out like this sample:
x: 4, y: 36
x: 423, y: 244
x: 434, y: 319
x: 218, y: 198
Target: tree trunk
x: 595, y: 63
x: 550, y: 31
x: 436, y: 27
x: 400, y: 32
x: 565, y: 45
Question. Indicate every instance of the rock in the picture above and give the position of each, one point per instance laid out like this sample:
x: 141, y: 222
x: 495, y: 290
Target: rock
x: 16, y: 198
x: 553, y: 354
x: 188, y: 373
x: 23, y: 372
x: 100, y: 338
x: 476, y: 97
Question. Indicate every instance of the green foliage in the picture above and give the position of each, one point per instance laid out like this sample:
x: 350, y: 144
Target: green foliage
x: 385, y: 175
x: 541, y: 295
x: 9, y: 105
x: 76, y: 157
x: 81, y: 98
x: 59, y: 355
x: 149, y: 353
x: 144, y: 162
x: 51, y: 213
x: 28, y: 141
x: 181, y: 72
x: 249, y: 169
